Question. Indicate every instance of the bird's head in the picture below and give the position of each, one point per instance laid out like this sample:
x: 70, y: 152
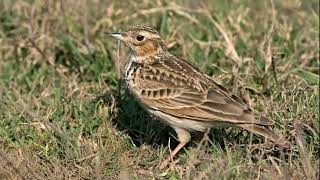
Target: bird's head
x: 143, y: 41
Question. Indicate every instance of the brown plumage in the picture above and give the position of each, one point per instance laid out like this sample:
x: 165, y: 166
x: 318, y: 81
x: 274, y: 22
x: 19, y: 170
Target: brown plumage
x: 180, y: 94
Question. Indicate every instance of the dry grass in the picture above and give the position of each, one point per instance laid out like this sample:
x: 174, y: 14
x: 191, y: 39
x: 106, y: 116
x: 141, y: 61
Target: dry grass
x: 64, y: 113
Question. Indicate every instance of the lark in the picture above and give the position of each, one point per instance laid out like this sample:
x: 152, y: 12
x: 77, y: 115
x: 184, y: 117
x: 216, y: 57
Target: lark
x: 180, y: 94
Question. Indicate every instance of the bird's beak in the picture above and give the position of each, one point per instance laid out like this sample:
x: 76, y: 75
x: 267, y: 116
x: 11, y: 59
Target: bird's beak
x: 119, y: 36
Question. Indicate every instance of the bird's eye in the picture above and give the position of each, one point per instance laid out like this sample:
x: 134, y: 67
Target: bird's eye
x: 140, y: 38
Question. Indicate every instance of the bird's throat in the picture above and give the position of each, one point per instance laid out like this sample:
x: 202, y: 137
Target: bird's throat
x: 147, y: 52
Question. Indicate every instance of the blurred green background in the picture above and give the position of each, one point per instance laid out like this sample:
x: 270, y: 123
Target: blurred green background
x: 65, y: 113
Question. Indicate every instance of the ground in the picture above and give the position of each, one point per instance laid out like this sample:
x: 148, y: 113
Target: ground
x: 66, y: 114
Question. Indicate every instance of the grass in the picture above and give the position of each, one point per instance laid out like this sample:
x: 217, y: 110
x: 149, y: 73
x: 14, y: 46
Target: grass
x: 65, y: 113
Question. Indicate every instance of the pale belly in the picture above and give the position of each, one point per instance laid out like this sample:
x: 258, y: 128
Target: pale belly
x: 186, y: 124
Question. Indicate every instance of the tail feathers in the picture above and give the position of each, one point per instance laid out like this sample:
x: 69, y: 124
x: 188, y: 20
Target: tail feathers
x: 263, y: 131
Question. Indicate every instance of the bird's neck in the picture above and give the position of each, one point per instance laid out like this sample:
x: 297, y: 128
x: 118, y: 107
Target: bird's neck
x: 149, y: 58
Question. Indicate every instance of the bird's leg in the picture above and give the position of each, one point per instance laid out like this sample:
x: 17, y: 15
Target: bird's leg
x: 170, y: 157
x: 184, y: 137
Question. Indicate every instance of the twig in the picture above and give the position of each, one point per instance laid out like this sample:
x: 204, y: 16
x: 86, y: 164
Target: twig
x: 214, y: 44
x: 309, y: 171
x: 231, y: 51
x: 268, y: 55
x: 44, y: 56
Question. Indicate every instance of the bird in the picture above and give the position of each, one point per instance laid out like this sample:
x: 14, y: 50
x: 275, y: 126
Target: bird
x: 180, y: 94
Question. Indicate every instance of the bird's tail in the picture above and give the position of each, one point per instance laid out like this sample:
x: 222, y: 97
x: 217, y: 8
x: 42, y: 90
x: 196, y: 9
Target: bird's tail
x: 263, y: 131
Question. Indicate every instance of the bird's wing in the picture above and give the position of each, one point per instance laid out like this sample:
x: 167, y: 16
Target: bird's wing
x: 177, y: 88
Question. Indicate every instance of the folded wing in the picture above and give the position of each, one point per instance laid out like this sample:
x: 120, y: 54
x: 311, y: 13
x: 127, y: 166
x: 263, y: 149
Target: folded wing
x: 196, y: 97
